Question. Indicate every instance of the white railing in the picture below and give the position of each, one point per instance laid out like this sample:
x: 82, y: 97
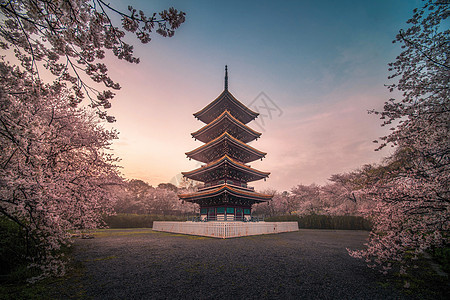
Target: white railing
x: 225, y: 229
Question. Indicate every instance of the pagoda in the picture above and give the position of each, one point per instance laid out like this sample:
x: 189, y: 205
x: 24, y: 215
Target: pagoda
x: 225, y: 195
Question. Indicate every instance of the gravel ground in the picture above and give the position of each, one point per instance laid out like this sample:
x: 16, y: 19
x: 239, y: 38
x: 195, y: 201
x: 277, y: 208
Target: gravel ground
x: 143, y: 264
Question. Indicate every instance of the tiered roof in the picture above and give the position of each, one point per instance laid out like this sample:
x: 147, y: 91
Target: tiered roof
x: 226, y: 101
x: 226, y: 123
x: 233, y: 193
x: 225, y: 167
x: 225, y: 144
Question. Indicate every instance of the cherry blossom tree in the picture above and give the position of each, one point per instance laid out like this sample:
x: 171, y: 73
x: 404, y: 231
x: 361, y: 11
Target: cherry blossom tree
x: 69, y: 39
x: 276, y: 206
x: 133, y: 196
x: 341, y: 196
x: 55, y: 166
x: 337, y: 200
x: 305, y: 200
x: 411, y: 188
x: 168, y: 186
x: 138, y: 197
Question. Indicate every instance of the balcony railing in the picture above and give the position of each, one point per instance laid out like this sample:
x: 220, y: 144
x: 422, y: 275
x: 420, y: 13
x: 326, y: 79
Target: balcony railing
x: 207, y: 187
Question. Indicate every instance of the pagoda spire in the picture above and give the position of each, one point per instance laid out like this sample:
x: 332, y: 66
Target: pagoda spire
x: 226, y: 78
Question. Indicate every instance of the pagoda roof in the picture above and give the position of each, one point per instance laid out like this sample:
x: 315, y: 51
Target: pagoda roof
x: 225, y: 189
x: 225, y: 167
x: 226, y: 122
x: 226, y: 101
x: 225, y: 144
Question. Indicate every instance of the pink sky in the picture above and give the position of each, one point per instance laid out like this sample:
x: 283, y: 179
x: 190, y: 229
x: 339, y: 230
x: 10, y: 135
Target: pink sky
x: 306, y: 144
x: 324, y: 66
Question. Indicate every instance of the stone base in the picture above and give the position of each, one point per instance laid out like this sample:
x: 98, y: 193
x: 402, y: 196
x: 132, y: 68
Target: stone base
x: 225, y: 229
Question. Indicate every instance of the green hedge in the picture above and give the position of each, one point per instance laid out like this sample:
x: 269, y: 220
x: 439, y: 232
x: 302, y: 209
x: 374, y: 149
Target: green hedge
x: 137, y: 221
x: 307, y: 222
x: 325, y: 222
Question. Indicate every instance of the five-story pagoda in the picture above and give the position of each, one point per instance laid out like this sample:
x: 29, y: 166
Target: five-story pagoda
x: 225, y: 194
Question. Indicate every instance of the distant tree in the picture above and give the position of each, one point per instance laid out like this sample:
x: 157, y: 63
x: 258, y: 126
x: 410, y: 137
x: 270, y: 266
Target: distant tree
x: 121, y: 203
x: 280, y: 203
x: 168, y: 186
x: 134, y: 196
x: 343, y: 194
x: 164, y: 201
x: 137, y: 188
x: 138, y: 197
x: 271, y: 208
x: 188, y: 185
x: 69, y: 38
x: 337, y: 200
x: 305, y: 200
x: 411, y: 188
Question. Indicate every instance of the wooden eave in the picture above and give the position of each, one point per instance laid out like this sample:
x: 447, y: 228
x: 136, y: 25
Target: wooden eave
x: 225, y: 161
x: 225, y: 116
x: 202, y: 115
x: 197, y: 153
x: 225, y: 189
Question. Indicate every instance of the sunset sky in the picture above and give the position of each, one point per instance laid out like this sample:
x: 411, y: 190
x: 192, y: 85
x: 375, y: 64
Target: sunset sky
x: 321, y: 65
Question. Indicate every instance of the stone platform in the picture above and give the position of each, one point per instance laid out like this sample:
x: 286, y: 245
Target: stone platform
x: 225, y: 230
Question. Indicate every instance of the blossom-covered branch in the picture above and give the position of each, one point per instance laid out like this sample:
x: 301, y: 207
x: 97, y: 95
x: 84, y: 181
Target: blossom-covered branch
x: 68, y: 37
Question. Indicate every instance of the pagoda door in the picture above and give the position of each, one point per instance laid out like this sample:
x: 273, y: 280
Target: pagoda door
x: 211, y: 214
x: 239, y: 214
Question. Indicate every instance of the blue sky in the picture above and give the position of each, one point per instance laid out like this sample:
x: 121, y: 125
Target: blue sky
x: 322, y: 63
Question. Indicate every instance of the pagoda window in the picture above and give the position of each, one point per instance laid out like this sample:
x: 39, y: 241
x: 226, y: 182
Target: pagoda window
x: 220, y: 210
x: 221, y: 182
x: 230, y: 210
x: 246, y: 211
x: 203, y: 211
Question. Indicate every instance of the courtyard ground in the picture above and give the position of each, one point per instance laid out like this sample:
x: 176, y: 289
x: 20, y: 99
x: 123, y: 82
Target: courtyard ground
x: 143, y: 264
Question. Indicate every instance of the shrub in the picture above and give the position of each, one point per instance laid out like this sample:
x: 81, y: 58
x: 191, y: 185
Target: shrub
x: 12, y: 246
x: 15, y: 250
x: 137, y: 221
x: 442, y: 256
x: 325, y: 222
